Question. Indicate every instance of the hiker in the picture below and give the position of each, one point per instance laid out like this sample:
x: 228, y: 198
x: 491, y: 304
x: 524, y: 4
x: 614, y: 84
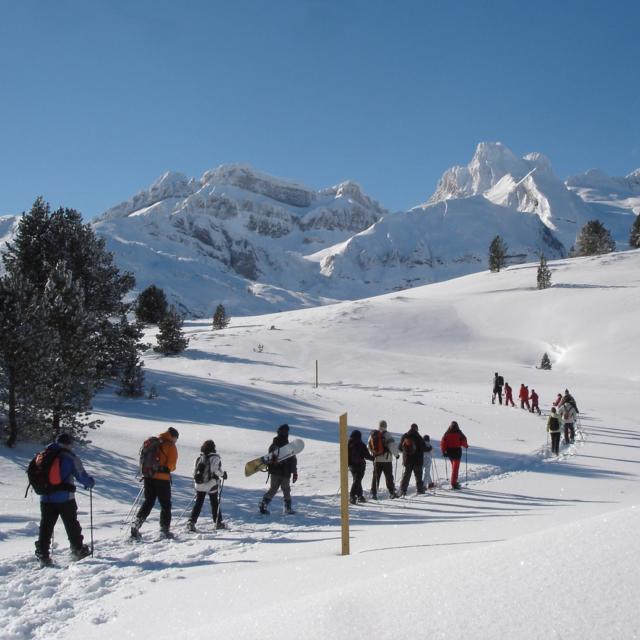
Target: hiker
x: 523, y: 395
x: 553, y: 427
x: 534, y: 402
x: 451, y: 446
x: 508, y: 395
x: 558, y: 401
x: 567, y: 397
x: 207, y: 476
x: 60, y: 502
x: 498, y: 381
x: 358, y: 456
x: 158, y: 486
x: 282, y: 473
x: 427, y: 481
x: 381, y: 444
x: 568, y: 414
x: 412, y: 447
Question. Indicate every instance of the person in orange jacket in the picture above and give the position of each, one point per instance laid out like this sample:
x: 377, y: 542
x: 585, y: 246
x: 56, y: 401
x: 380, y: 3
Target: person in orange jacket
x: 451, y: 446
x: 158, y: 486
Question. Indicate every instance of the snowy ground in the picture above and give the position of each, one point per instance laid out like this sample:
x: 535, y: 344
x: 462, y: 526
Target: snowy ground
x: 534, y: 547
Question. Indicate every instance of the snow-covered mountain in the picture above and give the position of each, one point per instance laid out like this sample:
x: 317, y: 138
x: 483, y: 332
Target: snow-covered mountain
x: 257, y: 243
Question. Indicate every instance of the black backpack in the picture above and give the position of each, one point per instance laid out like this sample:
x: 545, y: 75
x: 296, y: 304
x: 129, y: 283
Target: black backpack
x: 202, y: 471
x: 500, y: 381
x: 39, y: 473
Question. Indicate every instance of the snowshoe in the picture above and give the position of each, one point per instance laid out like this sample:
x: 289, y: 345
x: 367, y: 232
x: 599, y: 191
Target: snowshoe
x: 288, y: 510
x: 45, y: 561
x: 82, y: 552
x: 353, y: 500
x: 135, y: 534
x: 263, y: 508
x: 361, y: 499
x: 221, y: 525
x: 456, y: 487
x: 165, y: 534
x: 191, y: 527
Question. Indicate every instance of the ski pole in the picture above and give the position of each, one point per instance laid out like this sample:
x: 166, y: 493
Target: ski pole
x: 129, y: 515
x: 91, y: 517
x: 466, y: 471
x: 179, y: 518
x: 219, y: 501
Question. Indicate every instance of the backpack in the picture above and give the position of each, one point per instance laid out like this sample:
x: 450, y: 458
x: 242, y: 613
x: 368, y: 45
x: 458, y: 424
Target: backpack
x: 377, y: 443
x: 408, y: 445
x: 202, y: 471
x: 44, y: 472
x: 500, y: 381
x: 149, y: 455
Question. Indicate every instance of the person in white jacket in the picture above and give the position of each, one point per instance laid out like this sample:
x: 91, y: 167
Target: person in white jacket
x: 207, y: 476
x: 568, y: 414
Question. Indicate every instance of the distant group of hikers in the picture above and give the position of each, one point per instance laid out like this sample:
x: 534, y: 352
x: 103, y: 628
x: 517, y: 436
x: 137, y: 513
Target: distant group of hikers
x: 528, y: 401
x: 52, y: 472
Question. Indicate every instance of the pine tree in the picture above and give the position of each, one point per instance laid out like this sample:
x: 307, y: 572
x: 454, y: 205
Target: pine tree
x: 220, y: 319
x: 171, y: 340
x: 75, y: 290
x: 132, y: 377
x: 594, y: 240
x: 545, y: 363
x: 151, y: 305
x: 544, y: 273
x: 128, y: 367
x: 634, y: 236
x: 497, y: 254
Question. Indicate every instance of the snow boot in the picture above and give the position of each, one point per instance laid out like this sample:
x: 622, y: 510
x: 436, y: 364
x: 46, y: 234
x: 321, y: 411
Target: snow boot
x: 353, y: 500
x: 191, y: 526
x: 81, y: 552
x: 288, y: 510
x: 43, y: 558
x: 221, y: 525
x: 361, y: 499
x: 135, y: 530
x: 263, y: 507
x: 166, y: 534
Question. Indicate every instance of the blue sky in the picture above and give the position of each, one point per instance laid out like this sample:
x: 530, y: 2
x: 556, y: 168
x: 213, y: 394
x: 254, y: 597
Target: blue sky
x: 97, y: 99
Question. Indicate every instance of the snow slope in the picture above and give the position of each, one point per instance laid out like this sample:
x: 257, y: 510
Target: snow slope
x: 533, y: 547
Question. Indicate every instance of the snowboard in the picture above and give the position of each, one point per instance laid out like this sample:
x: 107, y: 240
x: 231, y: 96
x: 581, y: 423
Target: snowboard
x: 260, y: 464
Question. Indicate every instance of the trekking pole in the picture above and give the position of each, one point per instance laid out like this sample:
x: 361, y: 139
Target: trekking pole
x: 129, y: 515
x: 179, y: 518
x: 466, y: 470
x: 91, y: 517
x: 219, y: 501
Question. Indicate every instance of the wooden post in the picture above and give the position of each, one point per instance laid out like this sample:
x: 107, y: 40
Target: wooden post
x: 316, y: 374
x: 344, y: 484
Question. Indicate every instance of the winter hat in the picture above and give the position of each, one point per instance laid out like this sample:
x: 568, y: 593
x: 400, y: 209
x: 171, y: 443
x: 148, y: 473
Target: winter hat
x: 283, y: 429
x: 208, y: 446
x: 426, y: 438
x: 413, y: 427
x: 382, y: 425
x: 173, y: 432
x: 356, y: 435
x: 65, y: 439
x: 553, y: 410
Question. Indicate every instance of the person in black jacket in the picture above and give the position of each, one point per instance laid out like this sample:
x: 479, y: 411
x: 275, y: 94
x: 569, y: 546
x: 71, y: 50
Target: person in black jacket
x: 412, y: 447
x: 282, y: 473
x: 358, y: 456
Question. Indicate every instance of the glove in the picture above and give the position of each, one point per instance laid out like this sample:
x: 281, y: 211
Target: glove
x: 90, y: 484
x: 224, y: 475
x: 397, y: 455
x: 295, y: 477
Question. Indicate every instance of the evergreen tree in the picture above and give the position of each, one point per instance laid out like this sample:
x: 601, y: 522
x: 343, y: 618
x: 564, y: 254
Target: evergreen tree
x: 545, y: 363
x: 132, y: 377
x: 171, y: 340
x: 220, y: 319
x: 75, y: 291
x: 128, y: 367
x: 151, y: 305
x: 544, y: 273
x: 594, y: 240
x: 497, y: 254
x: 634, y: 236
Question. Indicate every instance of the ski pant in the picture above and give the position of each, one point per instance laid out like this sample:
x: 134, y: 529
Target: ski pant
x: 378, y: 469
x: 426, y: 471
x: 49, y: 512
x: 534, y: 407
x: 197, y: 507
x: 416, y: 469
x: 160, y: 490
x: 555, y: 442
x: 496, y: 392
x: 569, y: 432
x: 509, y: 399
x: 455, y: 468
x: 356, y: 487
x: 278, y: 482
x: 524, y: 402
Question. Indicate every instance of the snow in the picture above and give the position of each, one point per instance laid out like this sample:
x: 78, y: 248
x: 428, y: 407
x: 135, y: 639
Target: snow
x: 533, y: 547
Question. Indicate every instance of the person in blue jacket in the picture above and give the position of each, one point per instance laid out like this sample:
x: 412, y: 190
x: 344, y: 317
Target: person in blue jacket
x: 62, y: 503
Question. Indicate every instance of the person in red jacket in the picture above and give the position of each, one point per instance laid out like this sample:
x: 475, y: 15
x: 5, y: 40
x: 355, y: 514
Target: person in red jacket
x: 534, y: 402
x: 451, y: 446
x: 523, y: 394
x: 508, y: 395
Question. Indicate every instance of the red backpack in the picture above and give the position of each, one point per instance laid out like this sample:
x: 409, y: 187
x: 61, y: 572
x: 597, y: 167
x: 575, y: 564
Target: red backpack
x: 377, y: 444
